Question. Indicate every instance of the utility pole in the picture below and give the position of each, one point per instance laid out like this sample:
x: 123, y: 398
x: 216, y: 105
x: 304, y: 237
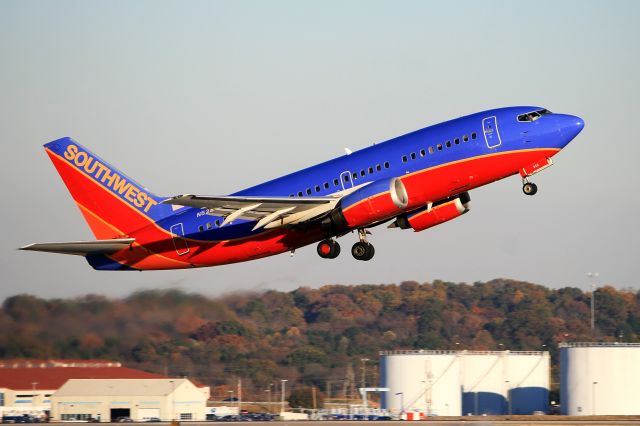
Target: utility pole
x: 592, y: 278
x: 364, y: 372
x: 283, y: 381
x: 239, y: 396
x: 313, y: 392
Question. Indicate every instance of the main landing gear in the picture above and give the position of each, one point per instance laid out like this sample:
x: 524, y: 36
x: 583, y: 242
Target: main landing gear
x: 529, y: 188
x: 362, y: 250
x: 328, y: 249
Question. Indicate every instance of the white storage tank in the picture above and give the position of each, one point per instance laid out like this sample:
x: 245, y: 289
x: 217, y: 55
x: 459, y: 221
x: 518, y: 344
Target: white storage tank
x: 505, y: 382
x: 600, y: 378
x: 424, y: 381
x: 465, y: 382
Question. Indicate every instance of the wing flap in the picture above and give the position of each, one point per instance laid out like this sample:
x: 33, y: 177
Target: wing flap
x: 269, y: 212
x: 82, y: 248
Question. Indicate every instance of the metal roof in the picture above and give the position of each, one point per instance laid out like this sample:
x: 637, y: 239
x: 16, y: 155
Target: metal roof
x: 54, y: 377
x: 120, y: 387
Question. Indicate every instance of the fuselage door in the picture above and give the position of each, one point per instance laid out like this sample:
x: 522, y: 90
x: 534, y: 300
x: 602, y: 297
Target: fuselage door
x: 179, y: 242
x: 490, y: 130
x: 346, y: 179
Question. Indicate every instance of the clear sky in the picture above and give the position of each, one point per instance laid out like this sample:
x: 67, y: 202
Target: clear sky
x: 211, y: 97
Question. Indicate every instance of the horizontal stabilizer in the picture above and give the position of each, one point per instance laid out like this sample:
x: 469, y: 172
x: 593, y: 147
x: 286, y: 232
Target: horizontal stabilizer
x: 82, y: 248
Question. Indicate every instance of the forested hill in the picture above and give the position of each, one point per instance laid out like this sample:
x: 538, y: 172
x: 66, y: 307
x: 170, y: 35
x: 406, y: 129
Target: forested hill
x: 308, y: 336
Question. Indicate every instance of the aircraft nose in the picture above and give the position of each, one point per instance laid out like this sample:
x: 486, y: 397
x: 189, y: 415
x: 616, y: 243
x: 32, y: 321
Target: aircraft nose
x: 570, y: 126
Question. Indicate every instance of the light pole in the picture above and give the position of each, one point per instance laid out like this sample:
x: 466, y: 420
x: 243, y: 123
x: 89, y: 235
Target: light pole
x: 593, y: 398
x: 283, y: 381
x: 33, y: 396
x: 401, y: 402
x: 592, y: 277
x: 364, y: 371
x: 268, y: 391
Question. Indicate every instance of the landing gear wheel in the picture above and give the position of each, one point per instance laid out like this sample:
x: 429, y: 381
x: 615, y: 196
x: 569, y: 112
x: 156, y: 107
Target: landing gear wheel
x: 362, y: 251
x: 530, y: 188
x: 328, y: 249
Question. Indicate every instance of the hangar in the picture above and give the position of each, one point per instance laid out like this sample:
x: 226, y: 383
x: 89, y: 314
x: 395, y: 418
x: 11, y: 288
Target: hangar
x: 139, y: 399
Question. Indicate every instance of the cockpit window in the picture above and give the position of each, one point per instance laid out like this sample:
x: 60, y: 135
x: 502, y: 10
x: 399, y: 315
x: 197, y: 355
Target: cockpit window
x: 533, y: 115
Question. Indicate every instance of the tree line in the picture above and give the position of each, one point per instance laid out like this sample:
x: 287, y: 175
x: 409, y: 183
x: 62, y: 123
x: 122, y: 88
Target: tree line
x: 311, y: 337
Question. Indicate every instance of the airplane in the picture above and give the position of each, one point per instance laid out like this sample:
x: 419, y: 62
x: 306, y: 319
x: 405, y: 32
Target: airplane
x: 415, y: 181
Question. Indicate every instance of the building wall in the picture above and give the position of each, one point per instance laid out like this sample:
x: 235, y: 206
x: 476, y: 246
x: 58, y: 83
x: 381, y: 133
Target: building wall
x: 186, y: 402
x: 600, y: 379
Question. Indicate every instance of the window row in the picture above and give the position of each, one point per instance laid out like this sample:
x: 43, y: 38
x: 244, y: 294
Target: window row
x: 439, y: 147
x: 209, y: 226
x: 346, y: 177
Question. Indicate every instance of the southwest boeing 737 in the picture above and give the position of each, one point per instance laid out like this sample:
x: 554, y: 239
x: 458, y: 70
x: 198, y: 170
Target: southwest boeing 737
x: 414, y: 181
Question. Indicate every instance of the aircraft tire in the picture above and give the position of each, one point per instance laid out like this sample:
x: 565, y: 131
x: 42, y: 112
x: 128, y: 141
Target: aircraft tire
x: 530, y: 188
x: 362, y: 251
x: 328, y: 249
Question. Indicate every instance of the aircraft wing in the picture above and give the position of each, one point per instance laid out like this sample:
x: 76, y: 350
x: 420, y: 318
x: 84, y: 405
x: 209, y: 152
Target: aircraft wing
x: 82, y: 248
x: 269, y: 212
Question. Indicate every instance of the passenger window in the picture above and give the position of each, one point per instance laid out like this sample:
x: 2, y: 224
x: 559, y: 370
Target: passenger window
x: 422, y: 153
x: 362, y: 173
x: 370, y: 170
x: 308, y: 191
x: 430, y: 150
x: 473, y: 135
x: 209, y: 225
x: 300, y: 194
x: 218, y: 221
x: 457, y: 141
x: 378, y: 168
x: 355, y: 176
x: 345, y: 178
x: 336, y: 182
x: 465, y: 138
x: 439, y: 147
x: 413, y: 155
x: 386, y: 164
x: 404, y: 158
x: 317, y: 188
x: 200, y: 228
x: 326, y: 185
x: 448, y: 144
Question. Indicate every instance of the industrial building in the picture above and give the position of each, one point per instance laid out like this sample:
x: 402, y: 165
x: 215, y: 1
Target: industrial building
x: 137, y: 399
x: 454, y: 383
x: 26, y: 386
x: 599, y: 378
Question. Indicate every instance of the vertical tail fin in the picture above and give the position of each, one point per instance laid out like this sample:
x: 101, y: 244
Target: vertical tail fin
x: 112, y: 203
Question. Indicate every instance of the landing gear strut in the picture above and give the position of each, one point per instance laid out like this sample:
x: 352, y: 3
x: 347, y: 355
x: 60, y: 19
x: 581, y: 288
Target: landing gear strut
x: 328, y: 249
x: 529, y: 188
x: 362, y: 250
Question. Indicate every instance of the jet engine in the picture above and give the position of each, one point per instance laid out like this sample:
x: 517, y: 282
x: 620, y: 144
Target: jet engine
x: 378, y: 201
x: 440, y: 212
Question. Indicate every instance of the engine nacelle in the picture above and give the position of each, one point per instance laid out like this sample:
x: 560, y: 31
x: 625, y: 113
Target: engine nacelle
x: 378, y: 201
x: 440, y: 212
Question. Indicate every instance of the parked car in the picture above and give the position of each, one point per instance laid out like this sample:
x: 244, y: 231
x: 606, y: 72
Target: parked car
x: 25, y: 418
x: 124, y: 419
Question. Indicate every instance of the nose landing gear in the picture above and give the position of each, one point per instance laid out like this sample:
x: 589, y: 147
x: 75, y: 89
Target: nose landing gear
x: 529, y: 188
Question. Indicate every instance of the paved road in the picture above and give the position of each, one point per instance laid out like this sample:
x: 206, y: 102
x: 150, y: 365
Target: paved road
x: 470, y: 422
